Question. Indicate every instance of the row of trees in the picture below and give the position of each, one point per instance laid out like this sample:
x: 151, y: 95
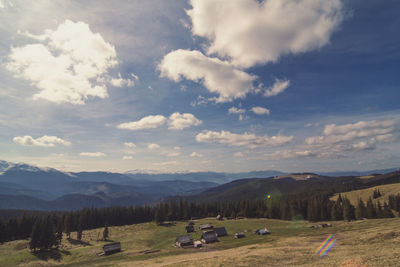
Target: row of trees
x: 51, y: 226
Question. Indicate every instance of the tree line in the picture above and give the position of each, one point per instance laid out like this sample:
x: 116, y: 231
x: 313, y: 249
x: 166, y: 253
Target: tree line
x: 46, y: 231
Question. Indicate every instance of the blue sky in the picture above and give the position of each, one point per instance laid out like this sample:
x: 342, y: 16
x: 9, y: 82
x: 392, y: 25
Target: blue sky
x: 169, y: 86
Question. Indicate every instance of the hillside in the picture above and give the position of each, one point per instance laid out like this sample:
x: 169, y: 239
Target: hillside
x: 364, y: 194
x: 370, y: 243
x: 258, y: 188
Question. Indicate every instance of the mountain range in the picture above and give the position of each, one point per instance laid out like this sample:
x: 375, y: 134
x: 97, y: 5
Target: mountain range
x: 24, y: 186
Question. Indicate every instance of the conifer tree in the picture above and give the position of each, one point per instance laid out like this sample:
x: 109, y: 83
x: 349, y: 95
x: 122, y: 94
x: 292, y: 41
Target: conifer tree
x: 105, y: 233
x: 361, y: 210
x: 371, y: 212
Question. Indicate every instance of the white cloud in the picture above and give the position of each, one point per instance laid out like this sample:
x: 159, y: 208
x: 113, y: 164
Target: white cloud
x: 238, y: 155
x: 235, y: 110
x: 127, y: 157
x: 379, y: 130
x: 68, y: 64
x: 217, y: 76
x: 121, y: 82
x: 246, y: 139
x: 44, y: 141
x: 149, y: 122
x: 278, y: 87
x: 196, y: 155
x: 176, y: 121
x: 93, y: 154
x: 130, y: 144
x: 260, y: 110
x: 289, y: 154
x: 177, y: 148
x: 153, y: 146
x: 173, y: 154
x: 179, y: 121
x: 251, y: 32
x: 341, y: 140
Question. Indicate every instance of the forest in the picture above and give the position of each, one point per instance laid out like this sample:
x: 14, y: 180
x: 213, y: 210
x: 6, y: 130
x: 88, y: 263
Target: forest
x: 45, y: 229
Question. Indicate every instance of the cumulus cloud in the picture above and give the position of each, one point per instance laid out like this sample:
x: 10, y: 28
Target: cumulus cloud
x: 196, y: 155
x: 251, y: 32
x: 341, y: 140
x: 121, y: 82
x: 130, y: 144
x: 69, y: 64
x: 260, y: 110
x: 178, y: 121
x: 246, y: 139
x: 278, y: 87
x: 127, y: 157
x: 44, y: 141
x: 149, y: 122
x: 289, y: 154
x: 238, y: 155
x: 235, y: 110
x: 93, y: 154
x: 153, y: 146
x: 217, y: 76
x: 382, y: 130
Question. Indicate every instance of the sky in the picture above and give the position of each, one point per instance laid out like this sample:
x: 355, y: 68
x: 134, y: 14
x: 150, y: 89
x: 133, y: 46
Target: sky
x: 200, y: 85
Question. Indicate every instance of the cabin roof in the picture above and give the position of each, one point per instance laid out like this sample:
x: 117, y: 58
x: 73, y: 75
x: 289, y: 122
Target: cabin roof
x: 221, y: 231
x: 184, y: 239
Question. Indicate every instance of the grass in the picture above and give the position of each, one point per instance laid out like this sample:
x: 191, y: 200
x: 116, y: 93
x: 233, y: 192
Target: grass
x: 364, y: 194
x: 292, y: 243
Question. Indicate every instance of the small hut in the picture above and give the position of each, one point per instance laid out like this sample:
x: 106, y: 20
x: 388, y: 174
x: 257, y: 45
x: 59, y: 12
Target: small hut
x: 197, y: 244
x: 112, y: 248
x: 221, y: 231
x: 189, y: 228
x: 184, y: 241
x: 209, y: 237
x: 262, y: 231
x: 205, y: 227
x: 239, y: 235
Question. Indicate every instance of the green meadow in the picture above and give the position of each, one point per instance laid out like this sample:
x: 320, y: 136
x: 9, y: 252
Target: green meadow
x: 292, y: 243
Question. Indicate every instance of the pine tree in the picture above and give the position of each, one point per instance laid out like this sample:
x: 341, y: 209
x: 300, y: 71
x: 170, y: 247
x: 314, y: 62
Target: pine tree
x: 2, y: 232
x: 348, y: 210
x: 371, y: 212
x: 387, y: 212
x: 79, y: 234
x: 35, y: 242
x: 105, y: 233
x: 361, y: 210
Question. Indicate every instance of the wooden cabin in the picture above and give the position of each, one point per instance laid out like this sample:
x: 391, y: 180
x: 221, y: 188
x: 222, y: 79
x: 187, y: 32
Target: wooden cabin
x: 189, y: 228
x: 184, y: 241
x: 209, y: 237
x: 112, y: 248
x: 221, y: 231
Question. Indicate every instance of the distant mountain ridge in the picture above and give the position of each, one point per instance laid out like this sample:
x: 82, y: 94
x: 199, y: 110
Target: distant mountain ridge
x: 23, y: 186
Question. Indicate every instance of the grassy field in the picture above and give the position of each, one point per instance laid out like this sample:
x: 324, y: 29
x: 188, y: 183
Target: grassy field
x: 292, y: 243
x: 364, y: 194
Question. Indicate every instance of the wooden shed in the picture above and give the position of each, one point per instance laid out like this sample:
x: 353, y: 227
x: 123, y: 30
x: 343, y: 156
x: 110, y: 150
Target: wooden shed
x: 262, y: 231
x: 205, y: 227
x: 221, y: 231
x: 184, y: 241
x: 189, y: 228
x: 112, y: 248
x: 239, y: 235
x: 209, y: 237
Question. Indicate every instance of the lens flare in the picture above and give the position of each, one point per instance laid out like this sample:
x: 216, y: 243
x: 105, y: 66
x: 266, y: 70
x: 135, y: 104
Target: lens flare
x: 268, y: 196
x: 324, y: 248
